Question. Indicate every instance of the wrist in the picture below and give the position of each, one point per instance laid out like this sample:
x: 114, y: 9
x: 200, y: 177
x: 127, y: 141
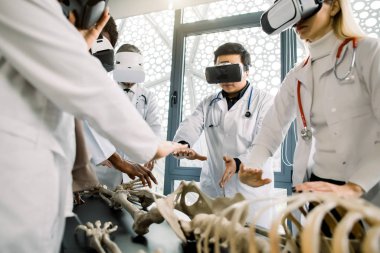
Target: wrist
x: 237, y: 164
x: 185, y: 143
x: 116, y: 161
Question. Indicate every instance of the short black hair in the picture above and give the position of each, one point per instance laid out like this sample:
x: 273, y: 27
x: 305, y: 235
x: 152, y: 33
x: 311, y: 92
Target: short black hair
x: 234, y: 48
x: 111, y: 29
x: 128, y: 48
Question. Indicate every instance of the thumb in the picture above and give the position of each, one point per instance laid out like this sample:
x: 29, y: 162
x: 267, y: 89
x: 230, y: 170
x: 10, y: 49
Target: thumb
x: 267, y: 180
x: 226, y: 158
x: 201, y: 157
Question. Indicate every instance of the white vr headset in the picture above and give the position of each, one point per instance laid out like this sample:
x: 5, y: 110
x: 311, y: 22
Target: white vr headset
x: 286, y: 13
x: 129, y: 68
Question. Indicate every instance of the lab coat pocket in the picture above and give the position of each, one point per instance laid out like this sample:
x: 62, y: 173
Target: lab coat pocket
x: 246, y: 129
x: 214, y: 117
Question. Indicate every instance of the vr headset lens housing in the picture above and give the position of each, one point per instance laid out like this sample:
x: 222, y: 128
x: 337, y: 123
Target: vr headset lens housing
x: 224, y: 73
x: 87, y: 12
x: 129, y: 68
x: 103, y: 50
x: 283, y: 14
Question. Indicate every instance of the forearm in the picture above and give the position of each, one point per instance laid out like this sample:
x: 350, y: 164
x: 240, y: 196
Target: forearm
x: 257, y: 157
x: 117, y: 161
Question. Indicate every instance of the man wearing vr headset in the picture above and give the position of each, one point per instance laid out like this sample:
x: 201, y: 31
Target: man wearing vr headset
x: 47, y: 75
x: 103, y: 152
x: 230, y: 120
x: 129, y: 73
x: 334, y: 95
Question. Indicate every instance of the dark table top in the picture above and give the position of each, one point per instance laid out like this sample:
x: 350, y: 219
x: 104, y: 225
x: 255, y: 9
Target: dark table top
x: 160, y: 236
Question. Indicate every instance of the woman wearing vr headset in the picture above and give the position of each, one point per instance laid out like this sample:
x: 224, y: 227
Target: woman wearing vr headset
x: 334, y: 95
x: 47, y: 76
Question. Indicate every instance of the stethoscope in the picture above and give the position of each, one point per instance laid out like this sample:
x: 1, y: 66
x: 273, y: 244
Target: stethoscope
x: 306, y: 133
x: 142, y: 98
x: 247, y: 114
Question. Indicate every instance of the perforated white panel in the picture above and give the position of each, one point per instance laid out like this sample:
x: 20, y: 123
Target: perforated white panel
x: 153, y: 35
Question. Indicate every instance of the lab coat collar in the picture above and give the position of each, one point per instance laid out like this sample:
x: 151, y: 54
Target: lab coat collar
x: 241, y: 92
x: 304, y: 73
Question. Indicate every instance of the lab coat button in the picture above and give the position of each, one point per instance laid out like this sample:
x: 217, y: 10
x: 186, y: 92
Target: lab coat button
x: 344, y: 163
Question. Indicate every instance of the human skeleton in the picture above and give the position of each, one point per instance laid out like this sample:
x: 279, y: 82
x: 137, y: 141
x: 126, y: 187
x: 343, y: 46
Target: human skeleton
x: 221, y: 222
x: 100, y: 236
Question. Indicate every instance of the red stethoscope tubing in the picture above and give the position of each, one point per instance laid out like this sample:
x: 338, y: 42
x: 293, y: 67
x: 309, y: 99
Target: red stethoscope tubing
x: 340, y: 49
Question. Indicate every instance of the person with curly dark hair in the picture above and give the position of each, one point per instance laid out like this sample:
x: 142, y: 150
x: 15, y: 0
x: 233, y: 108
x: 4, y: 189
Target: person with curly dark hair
x: 110, y: 31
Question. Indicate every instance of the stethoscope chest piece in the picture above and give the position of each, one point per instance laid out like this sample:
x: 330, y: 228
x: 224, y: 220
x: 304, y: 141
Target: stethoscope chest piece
x: 306, y: 134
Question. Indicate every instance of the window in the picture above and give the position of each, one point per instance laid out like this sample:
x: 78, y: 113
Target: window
x: 265, y: 72
x: 197, y: 32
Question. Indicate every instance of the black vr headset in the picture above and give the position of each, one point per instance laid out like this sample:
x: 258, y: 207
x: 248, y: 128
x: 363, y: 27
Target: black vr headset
x: 103, y: 50
x: 286, y: 13
x: 226, y: 73
x: 87, y: 12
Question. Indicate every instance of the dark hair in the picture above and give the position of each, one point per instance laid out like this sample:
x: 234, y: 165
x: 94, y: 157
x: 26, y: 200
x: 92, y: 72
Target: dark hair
x: 111, y: 29
x: 128, y: 48
x: 234, y: 48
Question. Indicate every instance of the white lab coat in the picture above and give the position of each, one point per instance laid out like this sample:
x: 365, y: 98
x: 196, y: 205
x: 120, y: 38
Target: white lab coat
x: 100, y: 150
x: 352, y: 111
x: 146, y: 104
x: 233, y: 135
x: 46, y: 74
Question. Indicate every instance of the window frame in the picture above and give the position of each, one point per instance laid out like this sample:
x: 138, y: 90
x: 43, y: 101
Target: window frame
x: 173, y: 170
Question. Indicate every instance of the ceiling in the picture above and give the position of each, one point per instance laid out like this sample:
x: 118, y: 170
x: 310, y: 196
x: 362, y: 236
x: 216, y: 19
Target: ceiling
x: 127, y: 8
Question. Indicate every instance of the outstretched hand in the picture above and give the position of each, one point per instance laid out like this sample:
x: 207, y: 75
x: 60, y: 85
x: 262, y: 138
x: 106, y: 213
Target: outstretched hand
x: 346, y: 190
x: 189, y: 154
x: 91, y: 34
x: 230, y: 170
x: 134, y: 170
x: 252, y: 177
x: 166, y: 148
